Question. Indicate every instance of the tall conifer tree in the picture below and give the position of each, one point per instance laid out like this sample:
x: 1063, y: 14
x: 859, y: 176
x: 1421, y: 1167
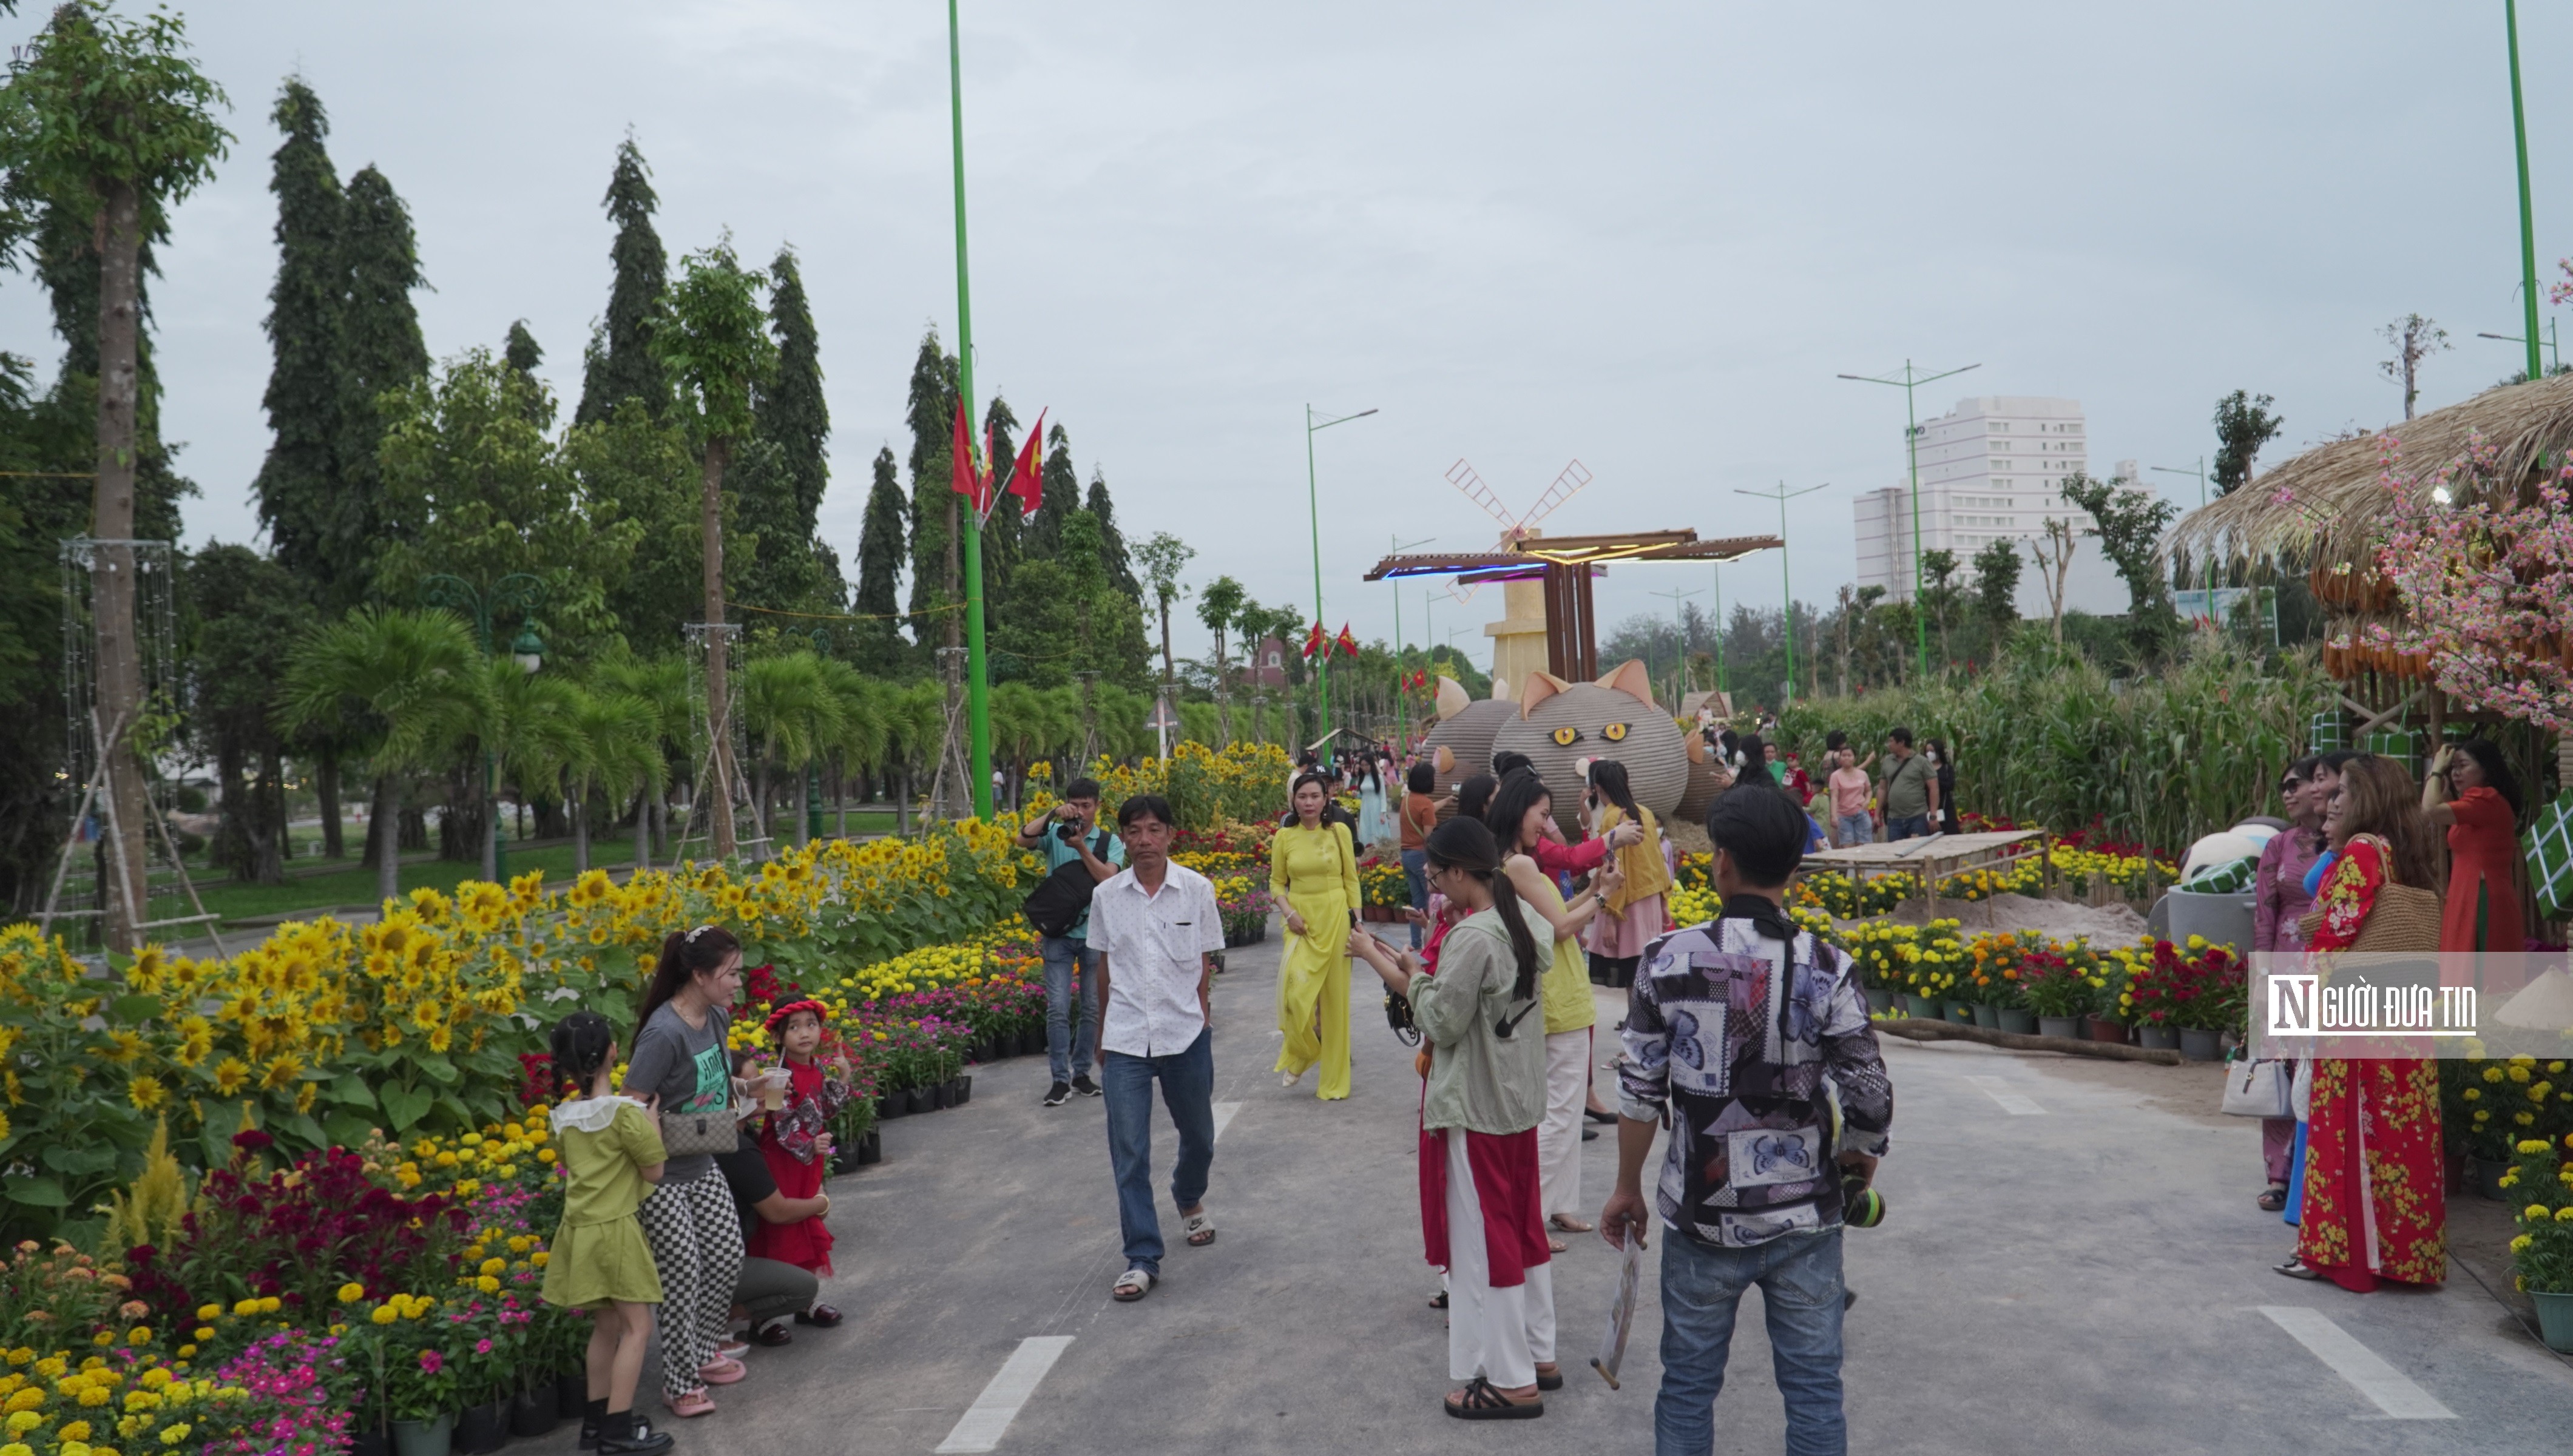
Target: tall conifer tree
x: 621, y: 365
x: 880, y: 561
x: 934, y: 563
x: 1001, y: 545
x: 780, y: 495
x: 1062, y: 494
x: 1111, y: 541
x: 381, y: 349
x: 520, y: 349
x: 298, y: 481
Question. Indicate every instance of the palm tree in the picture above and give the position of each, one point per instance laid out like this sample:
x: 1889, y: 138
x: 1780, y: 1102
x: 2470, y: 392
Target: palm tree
x: 620, y: 754
x: 863, y: 734
x: 662, y: 683
x: 1220, y: 605
x: 916, y: 720
x: 790, y: 710
x: 415, y: 675
x: 530, y: 725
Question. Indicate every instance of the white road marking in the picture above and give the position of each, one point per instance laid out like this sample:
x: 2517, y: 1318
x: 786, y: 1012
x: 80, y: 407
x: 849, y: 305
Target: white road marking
x: 2011, y: 1103
x: 2391, y: 1390
x: 981, y: 1427
x: 1223, y: 1115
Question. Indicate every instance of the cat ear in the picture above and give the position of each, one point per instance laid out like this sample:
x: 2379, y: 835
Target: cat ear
x: 1630, y: 678
x: 1501, y: 689
x: 1539, y: 687
x: 1451, y: 698
x: 1446, y: 760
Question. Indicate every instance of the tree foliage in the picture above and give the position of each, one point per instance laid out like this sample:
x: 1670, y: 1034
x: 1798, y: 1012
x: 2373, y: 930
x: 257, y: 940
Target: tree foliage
x: 2244, y: 423
x: 303, y: 399
x: 622, y: 363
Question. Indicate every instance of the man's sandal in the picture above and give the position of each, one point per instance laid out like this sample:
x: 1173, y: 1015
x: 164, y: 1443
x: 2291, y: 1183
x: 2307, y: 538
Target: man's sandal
x: 1568, y: 1224
x: 1550, y: 1376
x: 1199, y: 1226
x: 1480, y: 1400
x: 1131, y: 1286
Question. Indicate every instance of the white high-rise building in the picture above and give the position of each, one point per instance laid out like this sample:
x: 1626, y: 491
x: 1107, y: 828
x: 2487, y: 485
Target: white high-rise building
x: 1992, y: 470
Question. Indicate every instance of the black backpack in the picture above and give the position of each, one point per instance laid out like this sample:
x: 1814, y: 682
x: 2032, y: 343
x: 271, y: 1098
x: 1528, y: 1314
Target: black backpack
x: 1058, y: 902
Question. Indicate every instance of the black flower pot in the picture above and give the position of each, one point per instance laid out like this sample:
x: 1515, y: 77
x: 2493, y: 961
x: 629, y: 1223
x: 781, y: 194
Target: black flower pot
x: 1032, y: 1044
x: 893, y: 1105
x: 988, y: 1049
x: 920, y: 1100
x: 532, y: 1412
x: 482, y: 1428
x: 964, y: 1091
x: 943, y: 1094
x: 370, y: 1442
x: 844, y: 1159
x: 571, y: 1394
x: 871, y: 1151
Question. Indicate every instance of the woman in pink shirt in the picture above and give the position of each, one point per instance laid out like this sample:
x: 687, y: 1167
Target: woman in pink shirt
x: 1850, y: 787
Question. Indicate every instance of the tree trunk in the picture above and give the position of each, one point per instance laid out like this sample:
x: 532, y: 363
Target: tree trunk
x: 840, y: 797
x: 325, y: 786
x: 112, y: 576
x: 642, y: 831
x: 760, y: 797
x: 385, y: 829
x: 718, y: 689
x: 809, y: 810
x: 577, y: 806
x: 269, y: 838
x: 491, y: 802
x: 415, y: 827
x: 902, y: 802
x: 234, y: 846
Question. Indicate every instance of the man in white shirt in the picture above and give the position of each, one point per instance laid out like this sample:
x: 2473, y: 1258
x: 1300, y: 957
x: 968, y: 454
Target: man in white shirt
x: 1153, y: 927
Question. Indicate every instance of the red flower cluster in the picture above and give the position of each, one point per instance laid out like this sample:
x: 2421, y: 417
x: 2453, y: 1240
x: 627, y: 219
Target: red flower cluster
x: 297, y: 1235
x: 2204, y: 990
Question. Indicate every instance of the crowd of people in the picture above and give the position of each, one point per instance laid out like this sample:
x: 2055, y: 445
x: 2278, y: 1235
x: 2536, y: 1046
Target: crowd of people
x: 1907, y: 793
x: 2358, y: 1165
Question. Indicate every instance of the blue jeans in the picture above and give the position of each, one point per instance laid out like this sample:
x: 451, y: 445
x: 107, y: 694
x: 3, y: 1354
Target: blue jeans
x: 1855, y: 829
x: 1800, y: 1291
x: 1415, y: 873
x: 1912, y: 827
x: 1063, y: 955
x: 1188, y: 1089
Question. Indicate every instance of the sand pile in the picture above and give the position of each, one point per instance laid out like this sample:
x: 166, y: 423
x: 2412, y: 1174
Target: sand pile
x: 2105, y: 925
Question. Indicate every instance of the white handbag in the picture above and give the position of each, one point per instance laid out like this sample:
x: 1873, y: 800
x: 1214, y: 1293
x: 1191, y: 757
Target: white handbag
x: 2257, y: 1089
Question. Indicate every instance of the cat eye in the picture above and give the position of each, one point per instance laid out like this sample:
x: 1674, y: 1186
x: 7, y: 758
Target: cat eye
x: 1564, y: 737
x: 1614, y: 732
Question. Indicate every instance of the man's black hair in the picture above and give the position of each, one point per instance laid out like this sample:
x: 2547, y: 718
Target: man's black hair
x: 1836, y: 740
x: 1508, y: 760
x: 1900, y: 735
x: 1082, y: 789
x: 1762, y: 829
x: 1143, y: 804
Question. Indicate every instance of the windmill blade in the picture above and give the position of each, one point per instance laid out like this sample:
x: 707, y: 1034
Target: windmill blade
x: 1462, y: 476
x: 1565, y: 487
x: 1461, y: 592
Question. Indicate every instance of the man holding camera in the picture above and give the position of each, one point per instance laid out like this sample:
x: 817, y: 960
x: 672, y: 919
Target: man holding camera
x: 1733, y: 1027
x: 1069, y: 836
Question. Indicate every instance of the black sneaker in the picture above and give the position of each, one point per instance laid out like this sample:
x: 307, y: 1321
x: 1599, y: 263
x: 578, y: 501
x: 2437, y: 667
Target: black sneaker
x: 1058, y: 1093
x: 1084, y: 1086
x: 638, y: 1440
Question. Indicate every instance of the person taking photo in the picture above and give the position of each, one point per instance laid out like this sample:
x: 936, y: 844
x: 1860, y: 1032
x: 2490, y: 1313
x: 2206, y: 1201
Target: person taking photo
x: 1071, y: 835
x: 1737, y: 1031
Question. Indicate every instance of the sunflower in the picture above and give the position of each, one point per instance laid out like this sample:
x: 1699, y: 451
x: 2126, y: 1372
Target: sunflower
x: 231, y: 1076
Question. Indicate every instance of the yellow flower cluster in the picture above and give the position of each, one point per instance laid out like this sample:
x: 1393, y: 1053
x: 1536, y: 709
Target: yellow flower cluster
x: 464, y: 1164
x: 56, y: 1407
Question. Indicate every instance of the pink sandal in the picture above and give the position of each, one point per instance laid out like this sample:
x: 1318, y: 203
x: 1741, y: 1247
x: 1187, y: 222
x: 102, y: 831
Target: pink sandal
x: 694, y: 1403
x: 722, y: 1370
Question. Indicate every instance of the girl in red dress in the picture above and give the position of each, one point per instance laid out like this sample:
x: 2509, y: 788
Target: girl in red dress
x: 2375, y: 1191
x: 796, y: 1140
x: 2473, y: 793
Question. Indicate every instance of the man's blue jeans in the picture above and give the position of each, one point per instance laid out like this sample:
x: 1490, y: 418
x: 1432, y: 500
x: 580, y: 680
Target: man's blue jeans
x: 1799, y: 1275
x: 1415, y: 873
x: 1188, y: 1089
x: 1064, y: 953
x: 1912, y: 826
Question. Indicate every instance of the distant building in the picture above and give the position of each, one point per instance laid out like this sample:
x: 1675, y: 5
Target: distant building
x: 1992, y: 470
x: 1267, y: 665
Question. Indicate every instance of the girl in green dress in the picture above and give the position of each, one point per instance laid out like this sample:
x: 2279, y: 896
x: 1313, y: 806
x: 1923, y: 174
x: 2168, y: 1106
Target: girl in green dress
x: 598, y: 1261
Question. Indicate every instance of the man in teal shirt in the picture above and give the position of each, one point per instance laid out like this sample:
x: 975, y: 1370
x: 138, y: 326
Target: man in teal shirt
x: 1070, y: 1047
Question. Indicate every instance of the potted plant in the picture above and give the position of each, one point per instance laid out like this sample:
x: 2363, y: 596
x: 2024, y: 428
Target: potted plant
x: 2059, y: 994
x: 2543, y: 1249
x: 2491, y: 1094
x: 420, y: 1392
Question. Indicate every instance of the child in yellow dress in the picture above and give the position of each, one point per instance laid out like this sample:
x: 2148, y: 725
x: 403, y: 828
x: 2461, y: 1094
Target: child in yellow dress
x: 598, y: 1260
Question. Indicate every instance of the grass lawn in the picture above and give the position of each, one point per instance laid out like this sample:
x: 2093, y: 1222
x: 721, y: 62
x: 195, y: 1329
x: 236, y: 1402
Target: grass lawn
x: 310, y: 887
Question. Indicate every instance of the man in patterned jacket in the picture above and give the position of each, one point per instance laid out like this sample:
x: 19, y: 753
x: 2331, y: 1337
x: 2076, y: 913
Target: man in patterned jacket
x: 1733, y: 1030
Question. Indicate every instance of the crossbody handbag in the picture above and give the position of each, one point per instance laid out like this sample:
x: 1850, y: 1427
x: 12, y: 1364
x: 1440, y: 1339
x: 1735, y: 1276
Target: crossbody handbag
x: 687, y: 1134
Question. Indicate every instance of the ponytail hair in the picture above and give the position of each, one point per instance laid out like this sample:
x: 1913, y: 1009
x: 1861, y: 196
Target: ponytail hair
x: 580, y: 1044
x: 685, y: 955
x: 1465, y: 845
x: 1608, y: 777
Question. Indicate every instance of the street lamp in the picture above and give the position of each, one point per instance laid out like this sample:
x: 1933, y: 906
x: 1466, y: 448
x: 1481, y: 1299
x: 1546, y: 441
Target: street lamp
x: 2550, y: 342
x: 1786, y: 583
x: 1909, y: 380
x: 1401, y: 719
x: 2527, y: 224
x: 517, y: 594
x: 1679, y: 633
x: 1313, y: 509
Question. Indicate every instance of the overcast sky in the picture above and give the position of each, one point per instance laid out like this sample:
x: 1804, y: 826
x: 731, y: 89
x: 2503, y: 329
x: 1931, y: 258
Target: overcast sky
x: 1646, y: 236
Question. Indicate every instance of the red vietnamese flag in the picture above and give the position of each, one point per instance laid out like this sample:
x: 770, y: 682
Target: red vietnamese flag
x: 1347, y: 644
x: 964, y: 479
x: 1314, y: 640
x: 1025, y: 481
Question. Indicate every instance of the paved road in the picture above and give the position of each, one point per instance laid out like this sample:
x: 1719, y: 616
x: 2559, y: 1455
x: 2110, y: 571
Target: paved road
x: 2072, y: 1262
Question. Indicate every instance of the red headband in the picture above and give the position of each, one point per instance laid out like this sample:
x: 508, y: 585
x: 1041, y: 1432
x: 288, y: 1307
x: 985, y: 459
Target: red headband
x: 778, y: 1016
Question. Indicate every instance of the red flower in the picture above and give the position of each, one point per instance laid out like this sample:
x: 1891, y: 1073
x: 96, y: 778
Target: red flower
x: 431, y: 1362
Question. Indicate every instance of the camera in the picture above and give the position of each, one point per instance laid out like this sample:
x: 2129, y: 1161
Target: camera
x: 1862, y: 1206
x: 1067, y: 830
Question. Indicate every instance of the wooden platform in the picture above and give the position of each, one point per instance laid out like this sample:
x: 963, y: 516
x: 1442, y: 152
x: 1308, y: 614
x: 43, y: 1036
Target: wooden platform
x: 1933, y: 856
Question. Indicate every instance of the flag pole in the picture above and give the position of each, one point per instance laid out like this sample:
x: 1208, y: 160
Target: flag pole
x: 978, y: 693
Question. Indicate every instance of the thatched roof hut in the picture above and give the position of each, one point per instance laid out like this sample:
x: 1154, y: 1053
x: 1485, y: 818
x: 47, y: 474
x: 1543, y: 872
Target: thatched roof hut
x: 2325, y: 509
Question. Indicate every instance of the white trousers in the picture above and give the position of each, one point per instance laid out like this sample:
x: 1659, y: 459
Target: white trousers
x: 1499, y: 1334
x: 1558, y: 1133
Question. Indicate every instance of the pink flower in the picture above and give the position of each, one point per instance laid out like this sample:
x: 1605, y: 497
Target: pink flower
x: 431, y: 1362
x: 482, y: 1347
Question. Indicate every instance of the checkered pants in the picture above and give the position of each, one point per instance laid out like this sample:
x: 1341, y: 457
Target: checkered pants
x: 695, y: 1235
